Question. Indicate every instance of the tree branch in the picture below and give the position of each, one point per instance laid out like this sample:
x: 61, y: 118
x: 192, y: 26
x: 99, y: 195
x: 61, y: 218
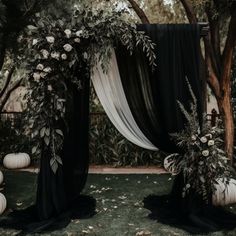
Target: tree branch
x: 9, y: 92
x: 215, y: 39
x: 212, y: 79
x: 189, y: 11
x: 141, y: 14
x: 8, y: 80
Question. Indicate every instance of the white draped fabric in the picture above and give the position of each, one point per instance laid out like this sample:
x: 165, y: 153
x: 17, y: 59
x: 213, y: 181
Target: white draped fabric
x: 109, y: 89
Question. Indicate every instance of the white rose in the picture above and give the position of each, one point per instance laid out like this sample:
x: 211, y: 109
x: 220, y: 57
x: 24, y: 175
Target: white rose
x: 43, y: 74
x: 77, y: 40
x: 193, y: 137
x: 209, y: 136
x: 49, y: 87
x: 40, y: 67
x: 6, y: 73
x: 45, y: 53
x: 35, y: 41
x: 211, y: 142
x: 47, y: 69
x: 79, y: 33
x: 36, y: 77
x: 50, y: 39
x: 68, y: 33
x: 55, y: 55
x: 63, y: 56
x: 205, y: 153
x: 203, y: 139
x: 67, y: 47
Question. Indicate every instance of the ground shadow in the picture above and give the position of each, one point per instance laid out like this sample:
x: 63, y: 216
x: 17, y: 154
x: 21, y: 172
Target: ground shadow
x: 26, y: 221
x: 195, y: 220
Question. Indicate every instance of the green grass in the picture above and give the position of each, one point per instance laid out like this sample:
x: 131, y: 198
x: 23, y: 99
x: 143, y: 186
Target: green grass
x: 119, y: 199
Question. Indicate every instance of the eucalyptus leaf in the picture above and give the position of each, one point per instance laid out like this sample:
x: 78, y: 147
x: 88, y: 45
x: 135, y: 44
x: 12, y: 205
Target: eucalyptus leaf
x: 34, y: 149
x: 42, y: 132
x: 54, y: 165
x: 46, y: 140
x: 58, y: 131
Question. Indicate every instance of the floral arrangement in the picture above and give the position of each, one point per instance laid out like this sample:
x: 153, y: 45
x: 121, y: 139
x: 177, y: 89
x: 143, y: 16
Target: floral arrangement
x: 64, y: 50
x: 204, y: 160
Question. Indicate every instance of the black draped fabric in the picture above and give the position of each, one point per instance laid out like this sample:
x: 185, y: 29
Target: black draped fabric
x: 152, y: 94
x: 57, y: 192
x: 58, y: 195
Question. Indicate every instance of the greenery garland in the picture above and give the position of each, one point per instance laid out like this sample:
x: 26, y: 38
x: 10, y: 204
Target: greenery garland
x: 61, y: 49
x: 204, y: 161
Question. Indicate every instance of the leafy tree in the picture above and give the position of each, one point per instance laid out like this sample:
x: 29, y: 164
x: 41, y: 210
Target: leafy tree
x: 15, y: 15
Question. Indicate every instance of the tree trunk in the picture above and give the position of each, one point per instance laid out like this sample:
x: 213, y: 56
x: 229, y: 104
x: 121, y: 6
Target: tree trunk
x: 225, y: 108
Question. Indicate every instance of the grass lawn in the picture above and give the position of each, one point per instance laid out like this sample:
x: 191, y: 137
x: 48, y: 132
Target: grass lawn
x: 119, y: 199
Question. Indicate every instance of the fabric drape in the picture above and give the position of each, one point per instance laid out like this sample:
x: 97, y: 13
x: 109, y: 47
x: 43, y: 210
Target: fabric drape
x: 152, y: 97
x: 58, y: 194
x: 58, y: 191
x: 152, y: 94
x: 110, y: 92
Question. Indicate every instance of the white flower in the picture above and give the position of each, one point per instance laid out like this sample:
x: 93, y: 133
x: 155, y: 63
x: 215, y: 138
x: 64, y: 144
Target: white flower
x: 36, y: 77
x: 193, y: 137
x: 50, y: 39
x: 188, y: 186
x: 49, y: 87
x: 55, y: 55
x: 85, y: 54
x: 77, y: 40
x: 79, y: 33
x: 20, y: 38
x: 40, y: 67
x: 211, y: 143
x: 47, y: 69
x: 205, y: 153
x: 68, y: 33
x: 63, y: 56
x: 67, y: 47
x: 35, y: 41
x: 203, y: 139
x: 209, y: 136
x: 43, y: 74
x: 6, y: 73
x: 45, y: 53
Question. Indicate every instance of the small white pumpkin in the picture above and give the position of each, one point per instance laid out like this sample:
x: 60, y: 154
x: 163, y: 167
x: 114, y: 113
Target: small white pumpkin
x: 3, y: 203
x: 224, y: 195
x: 1, y: 177
x: 16, y: 160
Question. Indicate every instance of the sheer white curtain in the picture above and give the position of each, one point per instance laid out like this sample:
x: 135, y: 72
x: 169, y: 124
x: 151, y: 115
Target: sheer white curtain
x: 109, y: 89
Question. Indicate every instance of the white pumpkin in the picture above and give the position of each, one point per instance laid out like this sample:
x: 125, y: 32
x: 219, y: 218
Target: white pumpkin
x: 224, y: 195
x: 16, y: 160
x: 1, y: 177
x: 3, y: 203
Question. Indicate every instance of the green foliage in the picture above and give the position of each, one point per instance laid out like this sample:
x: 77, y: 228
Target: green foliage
x: 12, y: 139
x: 204, y: 160
x: 64, y: 49
x: 108, y: 146
x: 2, y: 15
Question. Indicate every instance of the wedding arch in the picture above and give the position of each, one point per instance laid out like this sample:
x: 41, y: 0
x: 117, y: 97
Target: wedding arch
x: 138, y: 72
